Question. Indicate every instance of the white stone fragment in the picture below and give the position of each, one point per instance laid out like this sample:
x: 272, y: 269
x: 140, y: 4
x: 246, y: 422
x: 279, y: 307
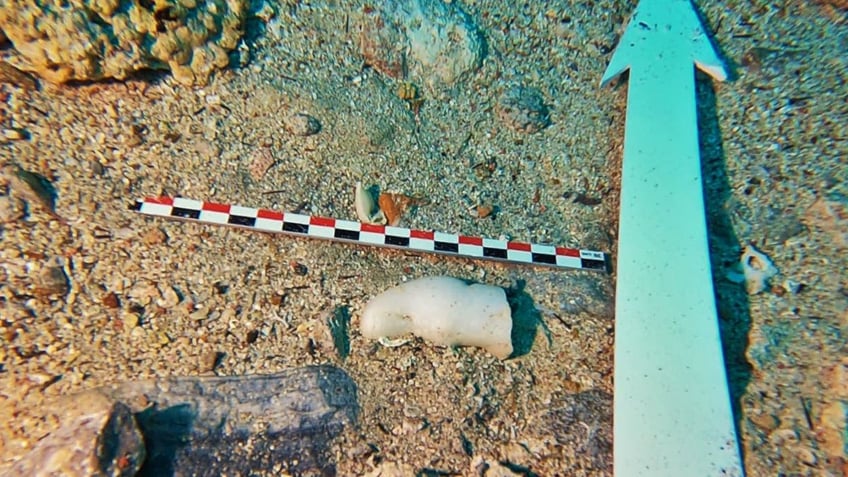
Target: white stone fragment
x: 445, y: 311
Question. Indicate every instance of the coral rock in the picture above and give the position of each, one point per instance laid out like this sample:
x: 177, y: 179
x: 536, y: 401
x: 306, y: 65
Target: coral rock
x: 434, y: 41
x: 84, y: 40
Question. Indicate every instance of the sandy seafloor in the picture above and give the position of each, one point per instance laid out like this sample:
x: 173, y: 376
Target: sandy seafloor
x: 201, y: 300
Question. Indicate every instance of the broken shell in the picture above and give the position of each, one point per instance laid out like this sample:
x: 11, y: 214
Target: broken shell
x: 393, y: 205
x: 366, y: 209
x: 390, y: 207
x: 392, y: 343
x: 757, y: 269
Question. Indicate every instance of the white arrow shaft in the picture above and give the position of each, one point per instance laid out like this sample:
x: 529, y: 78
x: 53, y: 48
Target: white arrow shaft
x: 671, y: 402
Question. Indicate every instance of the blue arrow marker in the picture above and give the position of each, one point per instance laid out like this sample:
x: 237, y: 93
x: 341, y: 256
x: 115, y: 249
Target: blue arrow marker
x: 672, y: 410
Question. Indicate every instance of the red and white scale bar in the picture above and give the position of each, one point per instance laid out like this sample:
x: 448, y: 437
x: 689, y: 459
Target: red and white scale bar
x: 264, y: 220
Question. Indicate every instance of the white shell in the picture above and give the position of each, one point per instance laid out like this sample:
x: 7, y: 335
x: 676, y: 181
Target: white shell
x: 757, y: 269
x: 366, y: 207
x: 445, y: 311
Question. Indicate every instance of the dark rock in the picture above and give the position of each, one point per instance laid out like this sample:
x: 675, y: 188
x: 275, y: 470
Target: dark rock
x: 225, y: 425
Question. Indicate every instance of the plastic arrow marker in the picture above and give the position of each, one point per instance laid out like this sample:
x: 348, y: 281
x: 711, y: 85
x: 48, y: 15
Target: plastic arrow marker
x: 672, y: 407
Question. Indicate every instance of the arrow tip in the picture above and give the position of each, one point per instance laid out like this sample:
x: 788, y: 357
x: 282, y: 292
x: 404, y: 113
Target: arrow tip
x: 659, y: 25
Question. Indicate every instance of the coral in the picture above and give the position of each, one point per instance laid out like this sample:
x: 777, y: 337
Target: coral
x: 84, y: 40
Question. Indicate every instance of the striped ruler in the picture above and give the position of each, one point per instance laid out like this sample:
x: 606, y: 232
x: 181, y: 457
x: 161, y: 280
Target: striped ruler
x: 264, y: 220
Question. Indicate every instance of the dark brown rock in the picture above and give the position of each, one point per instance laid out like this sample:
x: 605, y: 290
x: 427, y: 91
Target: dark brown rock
x: 279, y: 423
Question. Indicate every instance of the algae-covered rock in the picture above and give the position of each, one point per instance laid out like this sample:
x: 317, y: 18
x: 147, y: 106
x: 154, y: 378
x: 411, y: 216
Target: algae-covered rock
x: 67, y: 40
x: 435, y: 42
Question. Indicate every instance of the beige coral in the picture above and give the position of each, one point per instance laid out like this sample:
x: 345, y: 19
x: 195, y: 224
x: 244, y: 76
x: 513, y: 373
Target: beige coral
x: 83, y: 40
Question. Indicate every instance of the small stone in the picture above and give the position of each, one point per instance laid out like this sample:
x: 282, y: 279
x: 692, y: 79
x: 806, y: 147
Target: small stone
x: 131, y: 320
x: 260, y: 161
x: 523, y: 109
x: 765, y: 421
x: 11, y: 209
x: 213, y: 360
x: 484, y: 210
x: 12, y: 134
x: 32, y: 187
x: 169, y: 297
x: 276, y: 299
x: 806, y: 455
x: 52, y: 281
x: 154, y: 236
x: 110, y: 300
x: 783, y: 436
x: 791, y: 286
x: 298, y: 268
x: 206, y: 149
x: 263, y: 11
x: 301, y: 124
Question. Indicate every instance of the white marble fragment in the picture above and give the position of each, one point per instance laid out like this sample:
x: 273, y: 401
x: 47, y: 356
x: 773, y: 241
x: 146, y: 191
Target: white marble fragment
x: 445, y: 311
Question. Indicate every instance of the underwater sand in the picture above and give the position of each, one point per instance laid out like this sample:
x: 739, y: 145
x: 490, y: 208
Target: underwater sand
x: 200, y: 300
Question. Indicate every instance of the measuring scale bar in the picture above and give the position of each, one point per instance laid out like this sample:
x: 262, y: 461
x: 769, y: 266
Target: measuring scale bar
x: 264, y: 220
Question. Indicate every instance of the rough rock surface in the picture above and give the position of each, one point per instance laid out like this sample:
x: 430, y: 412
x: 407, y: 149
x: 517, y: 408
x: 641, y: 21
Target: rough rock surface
x: 223, y: 425
x: 95, y: 435
x: 523, y: 109
x: 432, y: 41
x: 87, y: 40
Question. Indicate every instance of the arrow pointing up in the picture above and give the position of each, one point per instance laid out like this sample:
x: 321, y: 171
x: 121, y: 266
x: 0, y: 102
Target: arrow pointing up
x: 672, y: 414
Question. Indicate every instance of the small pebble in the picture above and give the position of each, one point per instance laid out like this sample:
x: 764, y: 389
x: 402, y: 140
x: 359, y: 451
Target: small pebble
x: 806, y: 455
x: 11, y: 209
x: 207, y: 149
x: 33, y: 187
x: 154, y: 236
x: 484, y: 210
x: 53, y: 281
x: 110, y: 300
x: 757, y: 269
x: 298, y: 268
x: 169, y: 297
x: 765, y: 421
x: 301, y: 124
x: 261, y: 160
x: 12, y: 134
